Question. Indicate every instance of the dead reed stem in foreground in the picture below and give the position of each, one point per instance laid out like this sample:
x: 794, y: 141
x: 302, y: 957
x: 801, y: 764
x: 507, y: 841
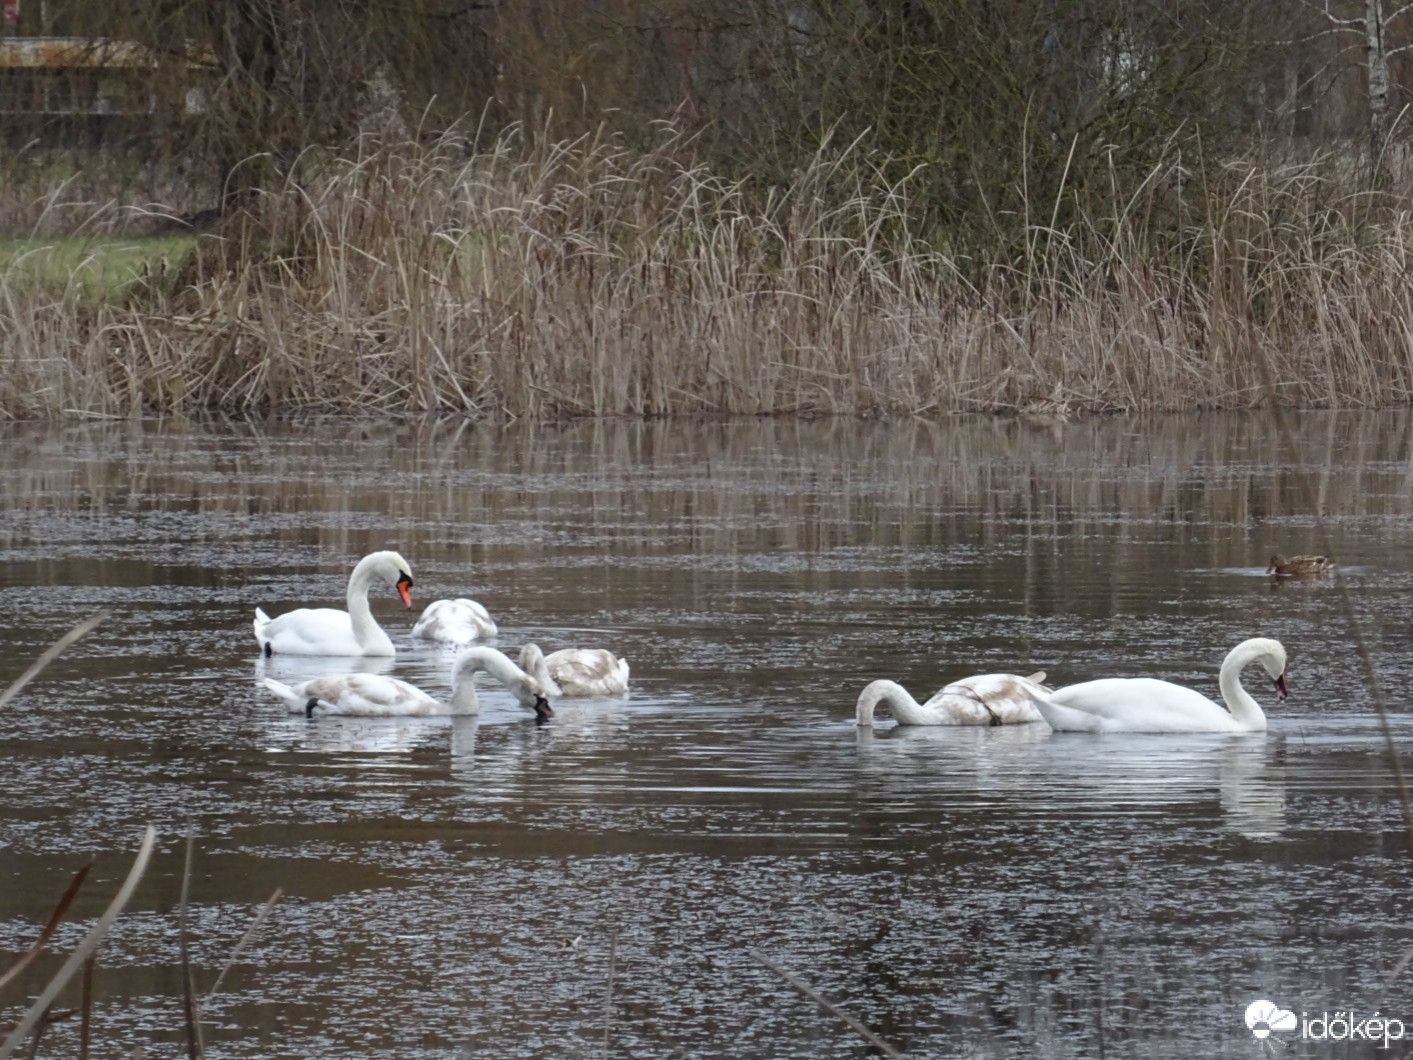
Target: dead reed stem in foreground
x: 51, y: 653
x: 85, y: 948
x: 878, y: 1043
x: 586, y: 278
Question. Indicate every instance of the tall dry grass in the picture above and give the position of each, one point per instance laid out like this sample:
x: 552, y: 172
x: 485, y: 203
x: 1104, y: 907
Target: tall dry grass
x: 583, y: 277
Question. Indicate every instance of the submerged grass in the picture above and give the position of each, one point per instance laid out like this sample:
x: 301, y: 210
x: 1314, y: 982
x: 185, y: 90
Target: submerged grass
x: 589, y: 278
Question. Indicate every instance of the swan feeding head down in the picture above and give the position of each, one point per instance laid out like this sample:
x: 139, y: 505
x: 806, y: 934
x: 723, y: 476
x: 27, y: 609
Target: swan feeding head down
x: 1143, y: 704
x: 986, y: 699
x: 577, y: 671
x: 379, y: 696
x: 458, y: 621
x: 329, y: 631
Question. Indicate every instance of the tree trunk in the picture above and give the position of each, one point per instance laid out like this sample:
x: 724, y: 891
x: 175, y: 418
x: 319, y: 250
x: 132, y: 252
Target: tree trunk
x: 1378, y: 89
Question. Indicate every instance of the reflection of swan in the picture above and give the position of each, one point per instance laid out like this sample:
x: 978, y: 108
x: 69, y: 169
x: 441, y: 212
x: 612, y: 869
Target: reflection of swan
x: 360, y: 736
x: 577, y: 671
x: 328, y: 631
x: 375, y: 696
x: 987, y: 699
x: 292, y: 668
x: 1023, y: 771
x: 1298, y: 566
x: 458, y: 621
x: 1143, y: 704
x: 1251, y: 792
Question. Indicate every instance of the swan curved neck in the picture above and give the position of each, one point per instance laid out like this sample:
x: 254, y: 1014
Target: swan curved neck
x: 365, y: 626
x: 1244, y: 709
x: 463, y: 693
x: 499, y: 666
x: 888, y: 693
x: 534, y: 663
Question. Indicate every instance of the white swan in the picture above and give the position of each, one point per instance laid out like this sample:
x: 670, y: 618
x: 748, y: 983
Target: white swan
x: 987, y: 699
x: 458, y: 621
x: 1143, y: 704
x: 376, y: 696
x: 576, y: 671
x: 329, y: 631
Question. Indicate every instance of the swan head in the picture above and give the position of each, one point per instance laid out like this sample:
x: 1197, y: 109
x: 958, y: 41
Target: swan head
x: 525, y: 687
x: 1270, y: 654
x: 393, y: 569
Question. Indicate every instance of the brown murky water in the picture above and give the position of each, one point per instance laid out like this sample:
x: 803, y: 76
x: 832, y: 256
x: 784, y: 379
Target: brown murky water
x: 595, y: 887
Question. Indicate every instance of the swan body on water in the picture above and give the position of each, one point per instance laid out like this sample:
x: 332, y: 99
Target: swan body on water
x: 329, y: 631
x: 458, y: 621
x: 364, y: 695
x: 986, y: 699
x: 576, y: 671
x: 1143, y: 704
x: 1299, y: 566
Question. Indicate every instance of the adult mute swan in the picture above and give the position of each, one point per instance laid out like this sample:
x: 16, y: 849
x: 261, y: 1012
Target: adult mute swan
x: 458, y: 621
x: 1299, y: 566
x: 576, y: 671
x: 987, y: 699
x: 1143, y: 704
x: 377, y: 696
x: 329, y: 631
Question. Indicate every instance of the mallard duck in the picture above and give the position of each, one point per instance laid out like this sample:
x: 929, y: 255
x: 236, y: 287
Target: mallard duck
x: 1299, y: 565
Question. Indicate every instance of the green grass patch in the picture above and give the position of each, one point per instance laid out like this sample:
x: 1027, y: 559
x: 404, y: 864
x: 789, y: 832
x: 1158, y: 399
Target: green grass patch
x: 94, y: 269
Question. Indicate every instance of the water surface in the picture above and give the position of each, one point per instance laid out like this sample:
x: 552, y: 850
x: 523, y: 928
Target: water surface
x: 596, y: 886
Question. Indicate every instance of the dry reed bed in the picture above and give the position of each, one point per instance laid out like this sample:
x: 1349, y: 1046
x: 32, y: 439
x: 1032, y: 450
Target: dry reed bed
x: 585, y: 278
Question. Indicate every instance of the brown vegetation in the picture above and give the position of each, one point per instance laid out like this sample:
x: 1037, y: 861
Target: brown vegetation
x: 1073, y: 206
x: 587, y: 277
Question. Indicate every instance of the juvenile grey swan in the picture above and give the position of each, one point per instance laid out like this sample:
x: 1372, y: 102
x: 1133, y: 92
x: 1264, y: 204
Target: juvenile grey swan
x: 577, y: 671
x: 986, y: 699
x: 458, y: 621
x: 378, y: 696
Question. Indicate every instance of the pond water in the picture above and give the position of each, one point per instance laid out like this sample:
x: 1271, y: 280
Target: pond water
x: 601, y: 885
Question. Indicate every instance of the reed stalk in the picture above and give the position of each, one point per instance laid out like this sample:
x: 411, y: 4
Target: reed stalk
x: 589, y: 278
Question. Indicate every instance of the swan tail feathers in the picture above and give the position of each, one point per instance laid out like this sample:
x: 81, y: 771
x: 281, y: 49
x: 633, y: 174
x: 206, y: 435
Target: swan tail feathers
x: 261, y: 621
x: 1064, y: 719
x: 1038, y: 677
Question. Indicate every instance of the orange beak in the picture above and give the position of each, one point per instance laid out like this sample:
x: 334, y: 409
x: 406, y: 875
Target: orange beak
x: 1280, y: 687
x: 404, y: 585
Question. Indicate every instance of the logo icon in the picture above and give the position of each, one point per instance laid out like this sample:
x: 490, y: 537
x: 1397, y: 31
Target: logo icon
x: 1266, y: 1017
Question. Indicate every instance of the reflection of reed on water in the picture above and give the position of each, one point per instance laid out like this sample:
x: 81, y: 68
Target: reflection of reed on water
x: 1226, y: 468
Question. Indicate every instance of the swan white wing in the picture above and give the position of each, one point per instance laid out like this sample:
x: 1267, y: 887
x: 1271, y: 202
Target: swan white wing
x: 1134, y: 704
x: 313, y: 631
x: 458, y: 621
x: 588, y: 672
